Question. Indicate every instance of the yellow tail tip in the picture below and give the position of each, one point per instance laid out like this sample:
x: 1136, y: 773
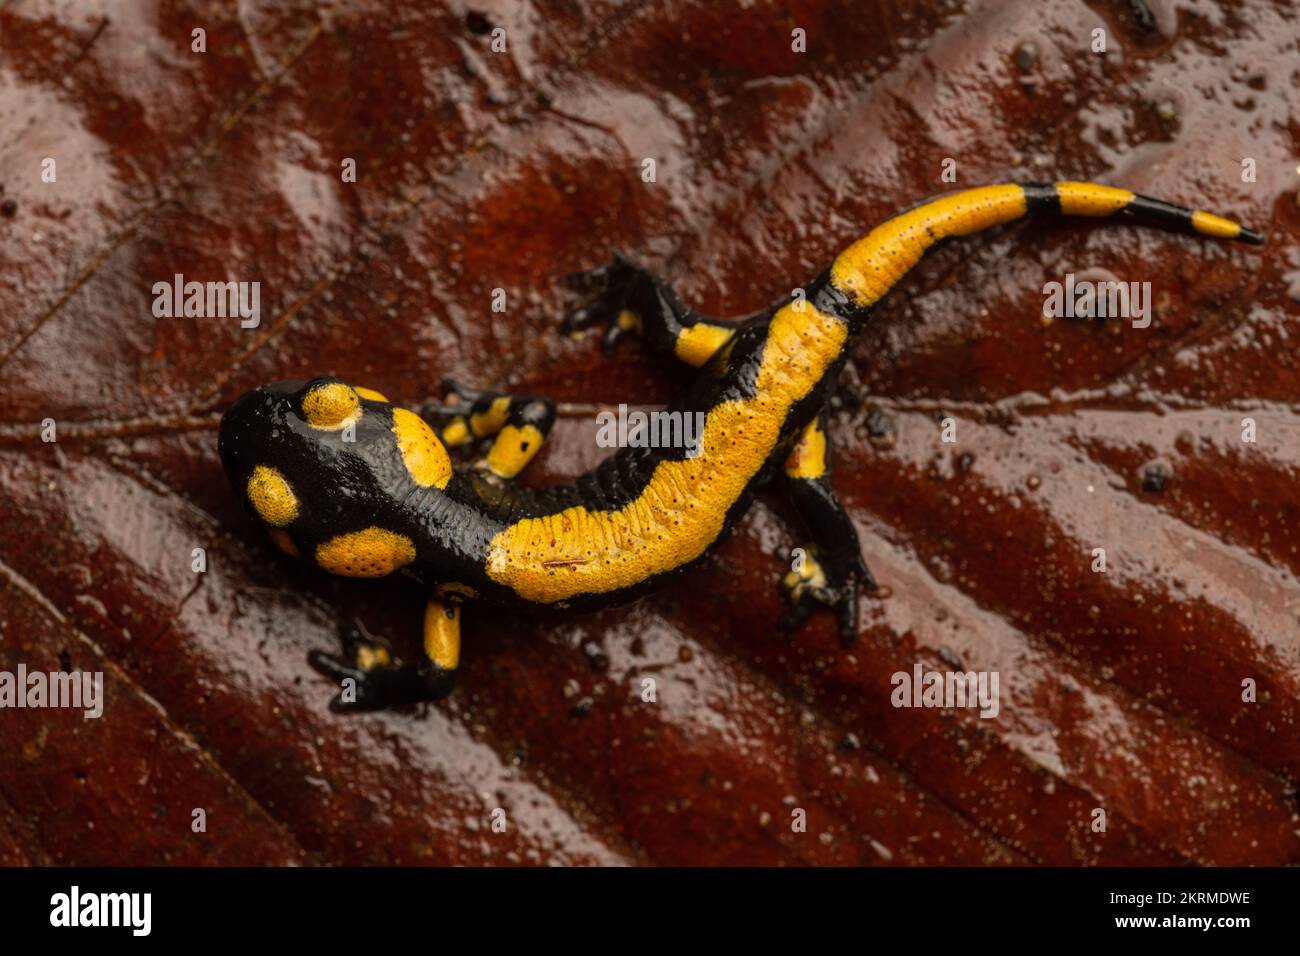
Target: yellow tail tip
x: 1208, y: 224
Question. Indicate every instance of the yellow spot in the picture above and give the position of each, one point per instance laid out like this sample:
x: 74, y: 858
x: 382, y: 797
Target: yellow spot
x: 628, y: 321
x: 371, y: 553
x: 1209, y: 224
x: 513, y: 448
x: 1092, y: 199
x: 456, y: 433
x: 682, y: 509
x: 811, y: 576
x: 808, y: 459
x: 331, y: 406
x: 272, y: 497
x: 426, y: 460
x: 442, y: 634
x: 371, y: 394
x: 698, y: 342
x: 485, y: 423
x: 870, y: 267
x: 370, y: 656
x: 285, y: 543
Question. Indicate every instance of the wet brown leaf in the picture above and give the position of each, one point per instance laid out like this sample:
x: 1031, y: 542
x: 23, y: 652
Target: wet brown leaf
x: 480, y: 171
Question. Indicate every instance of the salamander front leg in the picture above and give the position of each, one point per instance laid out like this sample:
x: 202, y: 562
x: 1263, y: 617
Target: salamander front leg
x: 831, y: 569
x: 631, y: 300
x: 373, y: 680
x: 520, y: 423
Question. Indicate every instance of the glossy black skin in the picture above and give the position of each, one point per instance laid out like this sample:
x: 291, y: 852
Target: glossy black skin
x: 348, y: 486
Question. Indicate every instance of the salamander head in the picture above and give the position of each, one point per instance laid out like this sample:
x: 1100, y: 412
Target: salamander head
x: 326, y: 467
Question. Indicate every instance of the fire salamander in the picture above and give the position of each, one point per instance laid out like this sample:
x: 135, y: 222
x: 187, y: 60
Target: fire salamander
x: 360, y: 487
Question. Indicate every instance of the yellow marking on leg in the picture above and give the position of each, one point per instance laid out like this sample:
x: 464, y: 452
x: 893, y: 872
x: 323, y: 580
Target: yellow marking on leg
x: 682, y: 509
x: 629, y: 321
x: 426, y: 460
x: 490, y: 421
x: 442, y: 634
x: 371, y: 553
x: 698, y: 343
x: 371, y: 394
x: 808, y: 458
x: 1208, y: 224
x: 271, y: 496
x: 285, y: 543
x: 370, y: 656
x: 1092, y: 199
x: 331, y: 407
x: 812, y: 575
x: 456, y: 433
x: 513, y: 448
x: 870, y: 267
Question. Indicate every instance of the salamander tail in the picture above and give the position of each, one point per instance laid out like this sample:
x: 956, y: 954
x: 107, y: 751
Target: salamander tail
x: 869, y: 268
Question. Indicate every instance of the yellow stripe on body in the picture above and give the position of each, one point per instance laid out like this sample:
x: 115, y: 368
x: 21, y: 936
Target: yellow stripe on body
x: 870, y: 267
x: 682, y: 509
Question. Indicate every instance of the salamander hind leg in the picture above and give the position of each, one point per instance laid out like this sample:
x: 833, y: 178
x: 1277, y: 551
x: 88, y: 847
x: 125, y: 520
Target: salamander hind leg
x: 372, y: 679
x: 630, y: 300
x: 830, y: 570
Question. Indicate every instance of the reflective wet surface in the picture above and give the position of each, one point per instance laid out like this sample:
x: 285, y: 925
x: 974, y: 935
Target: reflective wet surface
x: 478, y: 170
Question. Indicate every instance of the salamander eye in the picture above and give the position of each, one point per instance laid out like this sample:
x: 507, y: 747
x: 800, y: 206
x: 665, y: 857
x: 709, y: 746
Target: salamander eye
x: 328, y: 403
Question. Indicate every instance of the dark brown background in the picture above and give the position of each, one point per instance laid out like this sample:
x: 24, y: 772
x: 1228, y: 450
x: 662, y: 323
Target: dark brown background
x: 479, y: 171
